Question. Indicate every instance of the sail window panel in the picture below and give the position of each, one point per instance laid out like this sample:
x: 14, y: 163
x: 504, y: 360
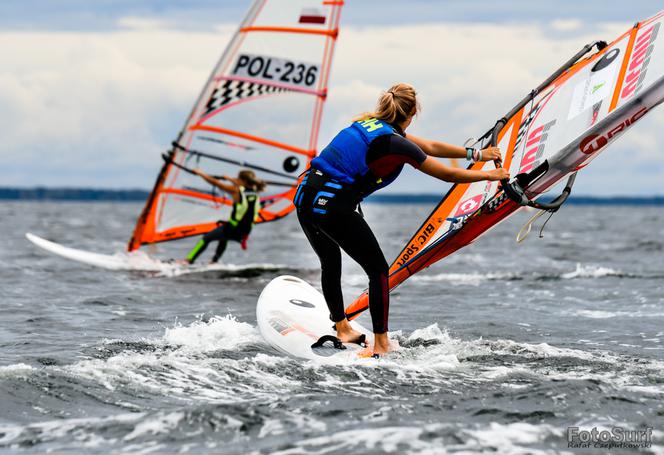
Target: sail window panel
x: 178, y: 210
x: 284, y: 118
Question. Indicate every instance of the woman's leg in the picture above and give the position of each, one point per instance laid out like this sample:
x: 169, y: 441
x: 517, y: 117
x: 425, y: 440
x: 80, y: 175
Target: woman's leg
x: 355, y: 237
x: 329, y: 255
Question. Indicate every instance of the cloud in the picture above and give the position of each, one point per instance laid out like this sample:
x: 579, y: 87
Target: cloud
x: 143, y: 23
x: 566, y: 25
x: 103, y: 103
x: 98, y: 108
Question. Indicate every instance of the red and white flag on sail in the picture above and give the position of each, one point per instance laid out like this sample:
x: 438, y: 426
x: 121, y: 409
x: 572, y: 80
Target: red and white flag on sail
x: 312, y: 16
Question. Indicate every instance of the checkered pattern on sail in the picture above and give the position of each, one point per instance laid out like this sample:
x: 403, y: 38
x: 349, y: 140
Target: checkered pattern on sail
x: 231, y: 91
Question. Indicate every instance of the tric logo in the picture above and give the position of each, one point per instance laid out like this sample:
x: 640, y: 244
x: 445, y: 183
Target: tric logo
x: 595, y: 142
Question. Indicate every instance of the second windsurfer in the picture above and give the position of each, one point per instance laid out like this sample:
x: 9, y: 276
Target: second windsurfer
x: 244, y: 190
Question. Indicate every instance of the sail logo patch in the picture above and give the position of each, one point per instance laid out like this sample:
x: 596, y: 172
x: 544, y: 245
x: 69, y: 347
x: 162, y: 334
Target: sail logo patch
x: 422, y: 238
x: 469, y: 206
x: 530, y: 117
x: 596, y: 87
x: 595, y: 142
x: 535, y: 146
x: 639, y: 61
x: 606, y: 60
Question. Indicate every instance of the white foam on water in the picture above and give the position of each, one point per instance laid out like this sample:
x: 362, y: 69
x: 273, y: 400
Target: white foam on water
x: 432, y: 358
x: 602, y: 314
x: 421, y: 362
x: 429, y: 362
x: 16, y: 370
x: 175, y: 270
x: 381, y: 414
x: 461, y: 279
x: 183, y: 365
x: 393, y: 439
x: 283, y: 425
x: 141, y: 261
x: 436, y: 357
x: 478, y: 278
x: 599, y: 314
x: 220, y: 332
x: 513, y: 438
x: 59, y: 429
x: 590, y: 271
x: 161, y: 423
x: 538, y: 350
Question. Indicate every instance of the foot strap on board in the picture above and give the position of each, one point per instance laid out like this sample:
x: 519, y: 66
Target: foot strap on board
x: 325, y: 338
x: 361, y: 340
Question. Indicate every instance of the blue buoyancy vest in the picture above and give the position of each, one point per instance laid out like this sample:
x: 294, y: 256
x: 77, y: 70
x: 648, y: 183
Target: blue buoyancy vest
x: 345, y: 158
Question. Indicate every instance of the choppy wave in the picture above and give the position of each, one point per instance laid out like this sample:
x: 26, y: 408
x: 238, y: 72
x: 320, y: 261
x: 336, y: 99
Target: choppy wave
x: 217, y: 384
x: 580, y: 272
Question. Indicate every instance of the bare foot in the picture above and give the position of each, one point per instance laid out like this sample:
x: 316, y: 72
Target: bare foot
x: 380, y: 347
x: 345, y: 332
x: 381, y: 344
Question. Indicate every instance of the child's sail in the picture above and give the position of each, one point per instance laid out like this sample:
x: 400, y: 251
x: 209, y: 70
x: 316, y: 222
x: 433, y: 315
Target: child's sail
x: 260, y: 110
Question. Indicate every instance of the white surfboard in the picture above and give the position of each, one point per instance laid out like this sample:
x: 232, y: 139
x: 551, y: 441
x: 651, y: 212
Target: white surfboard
x: 292, y: 316
x: 136, y: 260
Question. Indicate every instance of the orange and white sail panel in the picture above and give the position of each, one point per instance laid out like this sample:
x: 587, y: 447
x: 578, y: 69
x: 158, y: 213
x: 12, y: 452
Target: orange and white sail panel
x: 260, y: 110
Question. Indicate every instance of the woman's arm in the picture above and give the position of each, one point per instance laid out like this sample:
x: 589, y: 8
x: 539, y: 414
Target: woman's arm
x: 230, y: 189
x: 444, y: 150
x: 436, y: 169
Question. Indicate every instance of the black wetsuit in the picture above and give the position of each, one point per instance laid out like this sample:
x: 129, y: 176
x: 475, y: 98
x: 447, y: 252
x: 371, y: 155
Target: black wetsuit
x: 237, y: 228
x: 326, y: 209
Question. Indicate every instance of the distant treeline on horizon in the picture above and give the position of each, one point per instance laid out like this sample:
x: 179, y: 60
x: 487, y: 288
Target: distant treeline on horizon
x: 137, y: 195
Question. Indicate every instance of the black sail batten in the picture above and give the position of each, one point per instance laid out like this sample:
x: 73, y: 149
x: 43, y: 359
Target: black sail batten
x: 235, y: 162
x: 169, y: 159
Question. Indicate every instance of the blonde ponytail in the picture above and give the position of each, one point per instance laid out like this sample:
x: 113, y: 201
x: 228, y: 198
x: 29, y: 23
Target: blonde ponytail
x: 395, y: 105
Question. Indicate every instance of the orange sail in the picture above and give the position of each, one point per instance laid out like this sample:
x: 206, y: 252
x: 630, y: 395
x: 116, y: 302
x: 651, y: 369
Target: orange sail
x: 555, y: 131
x: 260, y: 110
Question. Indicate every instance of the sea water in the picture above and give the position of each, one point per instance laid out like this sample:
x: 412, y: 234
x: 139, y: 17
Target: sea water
x: 504, y: 347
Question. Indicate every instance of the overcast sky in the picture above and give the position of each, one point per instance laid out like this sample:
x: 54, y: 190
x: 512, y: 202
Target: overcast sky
x: 92, y: 91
